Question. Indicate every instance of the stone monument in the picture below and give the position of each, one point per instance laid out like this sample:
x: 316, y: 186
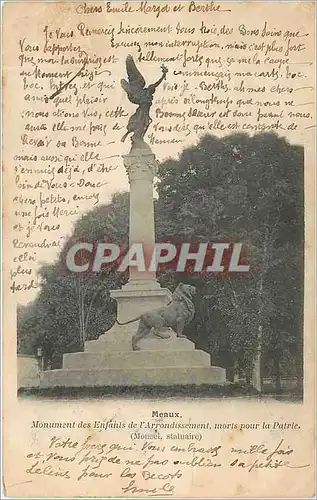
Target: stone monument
x: 142, y: 292
x: 110, y: 360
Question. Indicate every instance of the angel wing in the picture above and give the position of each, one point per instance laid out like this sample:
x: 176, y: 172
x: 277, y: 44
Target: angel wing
x: 136, y: 80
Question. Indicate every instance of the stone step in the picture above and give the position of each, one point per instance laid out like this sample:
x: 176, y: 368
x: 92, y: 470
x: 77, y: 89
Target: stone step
x: 125, y: 377
x: 149, y: 344
x: 135, y: 359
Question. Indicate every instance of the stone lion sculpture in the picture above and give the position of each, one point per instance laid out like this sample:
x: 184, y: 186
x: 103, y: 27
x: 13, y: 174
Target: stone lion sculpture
x: 176, y: 315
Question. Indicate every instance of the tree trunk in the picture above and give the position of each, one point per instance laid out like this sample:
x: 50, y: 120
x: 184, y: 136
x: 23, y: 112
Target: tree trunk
x: 81, y: 317
x: 82, y: 310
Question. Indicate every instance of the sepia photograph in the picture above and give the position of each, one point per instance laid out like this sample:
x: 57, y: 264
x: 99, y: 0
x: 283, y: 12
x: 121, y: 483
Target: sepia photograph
x: 158, y: 175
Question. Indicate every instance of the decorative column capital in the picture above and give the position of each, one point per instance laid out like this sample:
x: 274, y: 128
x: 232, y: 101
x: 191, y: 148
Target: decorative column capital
x: 140, y: 165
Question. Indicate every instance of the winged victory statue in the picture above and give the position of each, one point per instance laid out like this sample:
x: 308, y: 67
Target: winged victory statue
x: 141, y: 95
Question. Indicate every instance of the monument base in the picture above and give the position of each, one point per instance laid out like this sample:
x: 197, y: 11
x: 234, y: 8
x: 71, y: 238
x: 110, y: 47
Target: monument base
x: 160, y: 362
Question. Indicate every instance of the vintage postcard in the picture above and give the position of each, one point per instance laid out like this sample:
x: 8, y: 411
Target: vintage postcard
x: 158, y: 249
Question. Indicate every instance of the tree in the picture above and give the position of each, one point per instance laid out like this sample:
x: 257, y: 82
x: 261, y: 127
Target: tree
x: 27, y: 328
x: 237, y: 189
